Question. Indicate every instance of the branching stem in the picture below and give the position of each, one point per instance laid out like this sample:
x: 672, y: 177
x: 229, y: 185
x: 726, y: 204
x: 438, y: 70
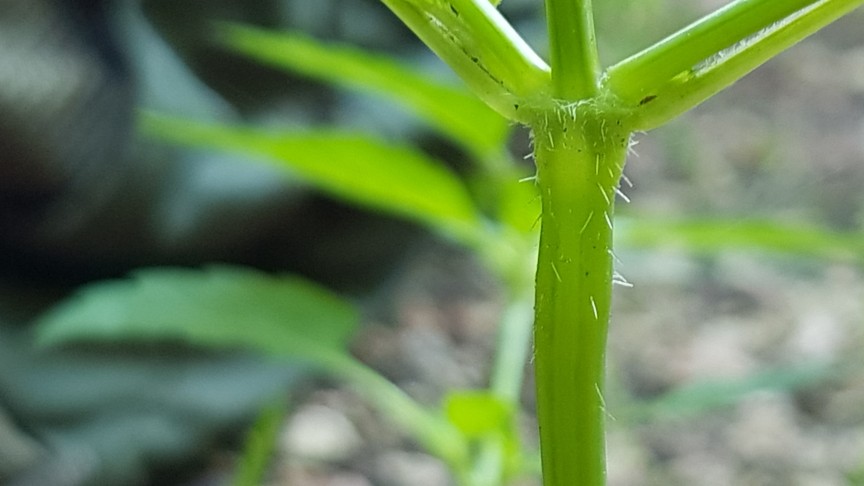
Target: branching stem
x: 477, y: 42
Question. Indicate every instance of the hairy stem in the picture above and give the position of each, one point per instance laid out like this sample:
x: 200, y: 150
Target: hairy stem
x: 580, y: 155
x: 475, y: 40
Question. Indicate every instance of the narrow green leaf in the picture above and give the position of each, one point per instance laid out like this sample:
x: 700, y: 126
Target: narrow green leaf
x: 220, y: 306
x: 260, y: 446
x: 712, y: 235
x: 237, y: 307
x: 391, y: 178
x: 701, y: 397
x: 453, y: 111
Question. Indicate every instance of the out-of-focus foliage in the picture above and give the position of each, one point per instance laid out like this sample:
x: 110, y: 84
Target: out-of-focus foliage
x: 713, y: 235
x: 702, y: 397
x: 261, y: 441
x: 394, y: 178
x: 450, y: 110
x: 220, y: 306
x: 477, y: 413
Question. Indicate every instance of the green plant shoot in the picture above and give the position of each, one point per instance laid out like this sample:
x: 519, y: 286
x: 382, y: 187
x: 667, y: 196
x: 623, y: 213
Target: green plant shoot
x: 582, y: 119
x: 581, y: 115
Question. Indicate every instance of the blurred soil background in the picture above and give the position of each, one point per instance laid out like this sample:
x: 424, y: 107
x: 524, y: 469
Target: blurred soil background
x: 780, y: 336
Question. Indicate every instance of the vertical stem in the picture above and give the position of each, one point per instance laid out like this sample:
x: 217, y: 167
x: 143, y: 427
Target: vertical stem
x: 579, y: 158
x: 573, y: 49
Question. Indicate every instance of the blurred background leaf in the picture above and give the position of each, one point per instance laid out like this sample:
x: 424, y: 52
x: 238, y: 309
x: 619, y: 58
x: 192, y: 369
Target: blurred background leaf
x: 397, y: 179
x: 260, y: 447
x: 451, y: 110
x: 477, y: 413
x: 220, y: 306
x: 704, y: 396
x: 713, y: 235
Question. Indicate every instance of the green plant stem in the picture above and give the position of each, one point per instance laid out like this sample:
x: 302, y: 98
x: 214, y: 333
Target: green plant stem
x: 436, y: 434
x: 638, y: 75
x: 573, y: 49
x: 580, y: 154
x: 474, y: 39
x: 491, y: 461
x: 693, y: 87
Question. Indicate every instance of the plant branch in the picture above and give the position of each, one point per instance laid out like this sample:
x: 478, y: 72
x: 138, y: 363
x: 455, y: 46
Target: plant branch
x: 700, y: 83
x: 475, y: 40
x: 635, y: 77
x: 430, y: 430
x: 573, y: 49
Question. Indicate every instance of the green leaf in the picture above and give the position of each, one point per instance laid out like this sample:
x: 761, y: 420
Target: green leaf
x: 713, y: 235
x: 391, y: 178
x: 477, y: 413
x: 856, y: 477
x: 697, y: 398
x: 260, y: 446
x: 453, y: 111
x: 219, y: 306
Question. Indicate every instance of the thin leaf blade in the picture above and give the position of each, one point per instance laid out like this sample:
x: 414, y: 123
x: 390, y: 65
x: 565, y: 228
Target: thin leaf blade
x: 260, y: 447
x: 391, y: 178
x: 452, y: 111
x: 712, y: 235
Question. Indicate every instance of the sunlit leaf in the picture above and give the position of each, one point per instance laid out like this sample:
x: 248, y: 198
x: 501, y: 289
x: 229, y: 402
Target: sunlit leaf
x: 364, y: 170
x: 219, y: 306
x: 477, y: 413
x: 453, y: 111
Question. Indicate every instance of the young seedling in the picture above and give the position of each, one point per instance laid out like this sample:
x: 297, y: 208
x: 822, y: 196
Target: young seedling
x: 582, y: 118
